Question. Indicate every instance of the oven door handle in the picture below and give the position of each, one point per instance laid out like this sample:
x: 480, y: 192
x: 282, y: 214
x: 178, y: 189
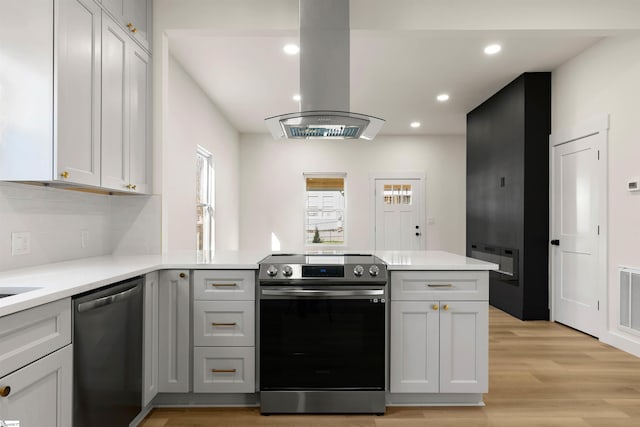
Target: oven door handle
x: 321, y: 293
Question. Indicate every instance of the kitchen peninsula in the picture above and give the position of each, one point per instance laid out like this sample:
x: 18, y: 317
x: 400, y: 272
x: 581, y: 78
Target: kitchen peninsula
x: 437, y: 327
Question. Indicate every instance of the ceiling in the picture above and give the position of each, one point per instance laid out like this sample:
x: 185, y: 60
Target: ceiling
x: 395, y: 73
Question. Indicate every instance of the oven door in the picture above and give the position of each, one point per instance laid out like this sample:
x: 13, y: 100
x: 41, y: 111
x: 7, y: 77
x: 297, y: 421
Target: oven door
x: 313, y: 339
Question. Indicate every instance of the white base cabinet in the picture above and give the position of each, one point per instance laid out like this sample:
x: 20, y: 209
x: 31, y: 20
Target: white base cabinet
x: 40, y: 393
x: 174, y: 331
x: 439, y: 345
x: 224, y: 331
x: 36, y: 365
x: 150, y: 337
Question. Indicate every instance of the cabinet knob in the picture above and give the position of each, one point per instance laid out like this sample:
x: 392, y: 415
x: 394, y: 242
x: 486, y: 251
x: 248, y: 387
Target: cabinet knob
x: 129, y: 25
x: 4, y: 391
x: 133, y: 187
x: 134, y: 30
x: 182, y: 275
x: 435, y: 306
x: 65, y: 174
x: 446, y: 307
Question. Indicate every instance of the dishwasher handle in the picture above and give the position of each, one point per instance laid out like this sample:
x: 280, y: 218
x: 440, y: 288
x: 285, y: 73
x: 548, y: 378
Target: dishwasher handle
x: 109, y: 299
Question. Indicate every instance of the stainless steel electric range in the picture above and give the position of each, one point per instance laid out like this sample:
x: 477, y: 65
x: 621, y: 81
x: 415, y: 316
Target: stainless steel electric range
x: 322, y: 333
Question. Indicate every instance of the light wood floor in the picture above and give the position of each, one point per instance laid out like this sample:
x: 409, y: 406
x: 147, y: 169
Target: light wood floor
x: 540, y: 374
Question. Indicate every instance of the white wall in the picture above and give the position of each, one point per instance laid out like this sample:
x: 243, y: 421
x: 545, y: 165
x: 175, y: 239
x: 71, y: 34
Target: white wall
x: 194, y: 120
x: 272, y: 186
x: 55, y: 219
x: 606, y: 79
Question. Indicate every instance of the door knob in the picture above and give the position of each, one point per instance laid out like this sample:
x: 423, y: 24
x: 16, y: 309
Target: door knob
x: 555, y: 242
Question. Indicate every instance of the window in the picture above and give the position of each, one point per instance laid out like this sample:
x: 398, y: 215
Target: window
x: 324, y: 209
x: 397, y: 194
x: 205, y: 208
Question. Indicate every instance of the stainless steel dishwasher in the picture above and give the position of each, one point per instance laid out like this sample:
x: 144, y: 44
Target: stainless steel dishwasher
x: 107, y: 355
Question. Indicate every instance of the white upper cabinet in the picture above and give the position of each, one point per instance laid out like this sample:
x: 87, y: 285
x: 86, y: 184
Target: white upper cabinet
x: 134, y: 15
x: 77, y: 128
x: 126, y: 88
x: 75, y: 103
x: 50, y: 114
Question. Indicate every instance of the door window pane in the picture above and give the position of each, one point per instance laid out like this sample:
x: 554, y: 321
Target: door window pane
x: 397, y: 194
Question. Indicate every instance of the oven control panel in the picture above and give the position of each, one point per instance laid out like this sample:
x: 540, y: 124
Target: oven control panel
x: 279, y: 270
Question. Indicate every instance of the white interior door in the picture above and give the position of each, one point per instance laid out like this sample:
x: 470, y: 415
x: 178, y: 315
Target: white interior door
x: 399, y: 206
x: 576, y: 232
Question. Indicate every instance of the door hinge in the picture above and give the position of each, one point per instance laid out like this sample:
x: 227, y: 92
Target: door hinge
x: 598, y: 154
x: 598, y: 230
x: 598, y: 305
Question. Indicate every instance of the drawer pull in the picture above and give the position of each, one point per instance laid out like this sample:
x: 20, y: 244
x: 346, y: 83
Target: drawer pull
x: 224, y: 371
x: 223, y: 324
x: 4, y: 391
x: 440, y: 285
x: 224, y: 285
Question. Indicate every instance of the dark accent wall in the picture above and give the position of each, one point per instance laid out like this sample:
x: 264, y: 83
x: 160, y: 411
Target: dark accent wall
x: 508, y: 192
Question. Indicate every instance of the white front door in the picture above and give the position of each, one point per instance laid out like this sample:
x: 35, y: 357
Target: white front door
x: 576, y: 230
x: 399, y: 205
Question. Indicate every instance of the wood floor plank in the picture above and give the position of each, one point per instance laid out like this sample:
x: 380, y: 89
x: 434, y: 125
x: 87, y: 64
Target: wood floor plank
x: 540, y: 374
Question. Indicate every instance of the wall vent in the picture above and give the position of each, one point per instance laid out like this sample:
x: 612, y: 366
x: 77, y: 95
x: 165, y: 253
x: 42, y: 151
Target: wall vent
x: 630, y: 300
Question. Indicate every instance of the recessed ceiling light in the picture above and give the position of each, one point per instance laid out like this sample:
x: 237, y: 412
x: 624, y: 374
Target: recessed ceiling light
x: 297, y: 97
x: 415, y: 124
x: 442, y: 97
x: 492, y: 49
x: 291, y: 49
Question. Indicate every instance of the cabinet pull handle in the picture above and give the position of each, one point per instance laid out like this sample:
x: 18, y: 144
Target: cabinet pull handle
x: 435, y: 306
x: 224, y: 371
x: 182, y: 275
x: 4, y: 391
x: 446, y: 307
x: 65, y: 174
x: 223, y: 324
x: 440, y: 285
x: 224, y: 285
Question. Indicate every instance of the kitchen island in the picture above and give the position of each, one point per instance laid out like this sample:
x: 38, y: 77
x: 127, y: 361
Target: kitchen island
x: 437, y: 324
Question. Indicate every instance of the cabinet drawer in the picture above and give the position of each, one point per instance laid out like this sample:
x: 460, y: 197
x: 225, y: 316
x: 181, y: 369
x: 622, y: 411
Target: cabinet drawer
x: 439, y: 285
x: 224, y: 370
x: 223, y: 323
x: 224, y: 285
x: 30, y: 334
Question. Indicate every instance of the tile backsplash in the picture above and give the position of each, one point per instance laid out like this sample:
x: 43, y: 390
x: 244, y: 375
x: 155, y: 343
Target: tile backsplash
x: 64, y: 225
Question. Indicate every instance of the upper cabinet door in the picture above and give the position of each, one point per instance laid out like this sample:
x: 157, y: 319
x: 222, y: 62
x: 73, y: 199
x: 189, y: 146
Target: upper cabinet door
x: 115, y: 106
x: 77, y: 94
x: 140, y: 119
x: 134, y: 15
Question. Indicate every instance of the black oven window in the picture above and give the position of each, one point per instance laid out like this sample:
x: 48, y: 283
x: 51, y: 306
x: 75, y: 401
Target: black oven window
x: 322, y: 344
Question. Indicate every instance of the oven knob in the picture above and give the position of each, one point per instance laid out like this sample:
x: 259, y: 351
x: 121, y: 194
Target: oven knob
x: 287, y: 271
x: 272, y: 270
x: 374, y: 270
x: 358, y: 270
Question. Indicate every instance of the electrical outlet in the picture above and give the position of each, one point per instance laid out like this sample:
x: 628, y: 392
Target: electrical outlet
x: 21, y: 243
x: 84, y: 238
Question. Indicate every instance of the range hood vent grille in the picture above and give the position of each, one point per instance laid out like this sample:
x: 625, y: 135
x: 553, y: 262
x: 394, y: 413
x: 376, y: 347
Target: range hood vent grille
x: 324, y: 125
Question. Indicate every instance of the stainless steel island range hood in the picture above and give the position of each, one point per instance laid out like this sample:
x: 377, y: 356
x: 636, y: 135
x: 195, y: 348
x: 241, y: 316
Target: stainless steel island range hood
x: 324, y: 79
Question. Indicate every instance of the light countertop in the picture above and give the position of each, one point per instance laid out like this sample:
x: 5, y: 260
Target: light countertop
x: 64, y: 279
